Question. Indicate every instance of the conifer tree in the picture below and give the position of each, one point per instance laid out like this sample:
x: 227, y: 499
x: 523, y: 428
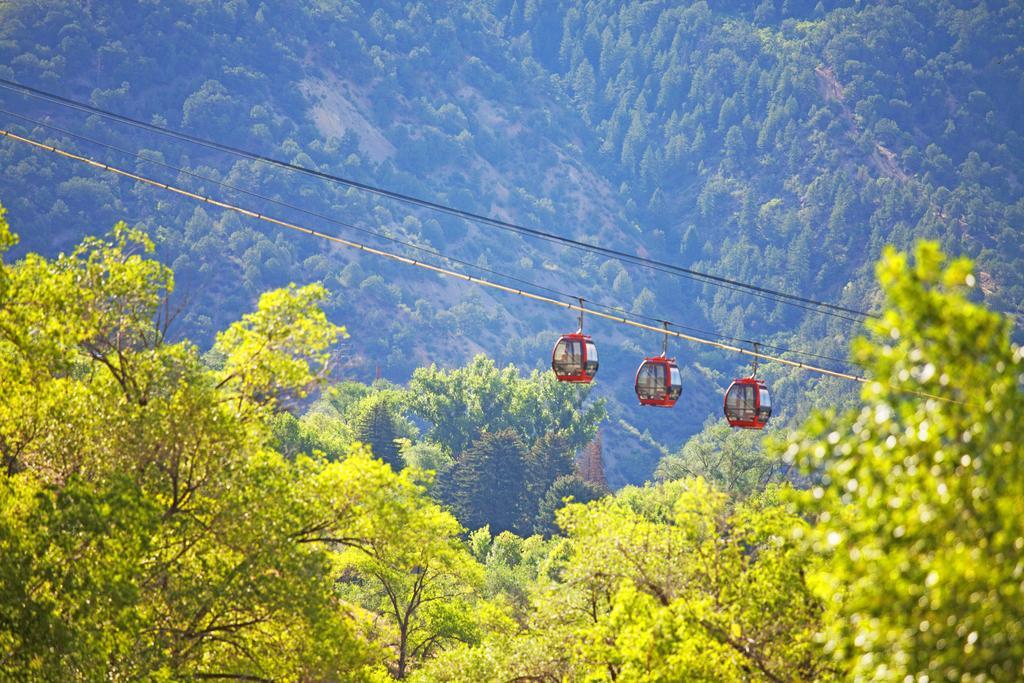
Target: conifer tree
x: 550, y: 458
x: 566, y: 488
x: 377, y: 426
x: 488, y: 485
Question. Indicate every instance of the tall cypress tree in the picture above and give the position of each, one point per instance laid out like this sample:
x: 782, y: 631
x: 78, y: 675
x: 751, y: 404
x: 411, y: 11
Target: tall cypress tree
x: 550, y: 457
x: 569, y: 486
x: 377, y: 426
x: 488, y: 484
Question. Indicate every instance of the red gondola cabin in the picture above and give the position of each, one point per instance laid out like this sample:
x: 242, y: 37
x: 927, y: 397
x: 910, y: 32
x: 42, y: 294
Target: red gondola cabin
x: 747, y: 404
x: 574, y: 358
x: 658, y: 382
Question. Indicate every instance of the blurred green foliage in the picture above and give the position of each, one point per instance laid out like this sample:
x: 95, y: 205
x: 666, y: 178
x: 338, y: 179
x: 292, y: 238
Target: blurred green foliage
x: 919, y: 500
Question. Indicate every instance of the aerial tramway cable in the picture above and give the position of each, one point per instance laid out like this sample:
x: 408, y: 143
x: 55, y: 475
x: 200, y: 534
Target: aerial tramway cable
x: 446, y: 271
x: 806, y: 303
x: 409, y: 245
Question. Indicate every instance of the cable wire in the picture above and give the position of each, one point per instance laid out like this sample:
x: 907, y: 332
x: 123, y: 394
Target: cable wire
x: 403, y: 243
x: 806, y: 303
x: 451, y: 273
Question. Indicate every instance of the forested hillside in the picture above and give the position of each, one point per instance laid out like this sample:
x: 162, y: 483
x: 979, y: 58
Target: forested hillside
x: 781, y: 143
x: 234, y: 451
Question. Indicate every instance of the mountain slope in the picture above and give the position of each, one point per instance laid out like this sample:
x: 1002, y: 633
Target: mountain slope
x: 778, y: 143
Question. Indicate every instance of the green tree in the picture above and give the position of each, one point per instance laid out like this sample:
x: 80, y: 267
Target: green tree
x: 147, y: 532
x: 314, y: 432
x: 488, y: 484
x: 565, y: 489
x: 71, y: 605
x: 511, y: 567
x: 425, y: 456
x: 277, y: 354
x: 665, y: 583
x: 408, y: 561
x: 920, y: 496
x: 686, y: 586
x: 550, y: 458
x: 584, y: 86
x: 461, y: 404
x: 734, y: 460
x: 376, y: 421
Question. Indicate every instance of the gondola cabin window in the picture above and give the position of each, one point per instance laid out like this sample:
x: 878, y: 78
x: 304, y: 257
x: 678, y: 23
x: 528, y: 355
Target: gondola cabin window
x: 658, y: 382
x: 651, y: 382
x: 568, y: 357
x: 741, y: 402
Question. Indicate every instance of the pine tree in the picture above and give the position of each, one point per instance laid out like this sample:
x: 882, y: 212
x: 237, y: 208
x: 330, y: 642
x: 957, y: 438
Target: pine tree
x: 570, y: 486
x: 488, y: 484
x: 636, y: 136
x: 376, y: 425
x: 550, y: 458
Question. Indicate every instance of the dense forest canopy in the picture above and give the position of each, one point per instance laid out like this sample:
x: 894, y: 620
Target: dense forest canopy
x: 781, y: 143
x: 232, y: 453
x: 163, y: 516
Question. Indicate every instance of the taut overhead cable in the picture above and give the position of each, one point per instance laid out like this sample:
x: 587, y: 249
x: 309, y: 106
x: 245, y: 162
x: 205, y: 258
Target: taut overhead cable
x: 806, y: 303
x: 446, y: 271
